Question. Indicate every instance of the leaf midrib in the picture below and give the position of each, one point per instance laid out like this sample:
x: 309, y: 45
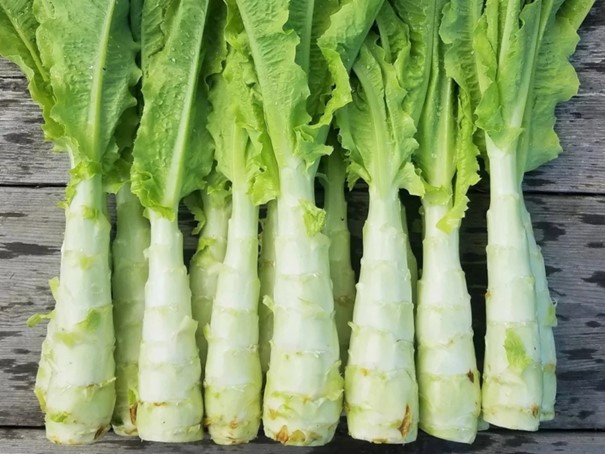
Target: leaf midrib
x: 32, y: 50
x: 96, y: 99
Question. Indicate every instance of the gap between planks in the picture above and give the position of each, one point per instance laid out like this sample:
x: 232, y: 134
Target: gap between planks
x: 29, y: 441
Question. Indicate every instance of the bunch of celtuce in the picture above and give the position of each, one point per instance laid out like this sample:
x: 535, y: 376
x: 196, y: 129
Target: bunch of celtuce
x: 234, y: 105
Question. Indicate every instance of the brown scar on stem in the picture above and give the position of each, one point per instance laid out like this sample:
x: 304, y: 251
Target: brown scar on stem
x: 234, y: 424
x: 471, y: 376
x: 133, y: 413
x: 282, y: 436
x: 535, y: 410
x: 159, y: 404
x: 100, y: 431
x: 404, y: 428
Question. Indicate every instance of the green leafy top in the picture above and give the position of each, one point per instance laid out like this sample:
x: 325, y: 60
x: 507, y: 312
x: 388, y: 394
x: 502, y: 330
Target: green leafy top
x: 91, y: 75
x: 18, y: 43
x: 447, y: 154
x: 243, y: 149
x: 376, y: 129
x: 171, y: 152
x: 282, y: 37
x: 457, y: 31
x: 422, y: 19
x: 136, y: 18
x: 512, y: 57
x: 555, y: 81
x: 215, y: 194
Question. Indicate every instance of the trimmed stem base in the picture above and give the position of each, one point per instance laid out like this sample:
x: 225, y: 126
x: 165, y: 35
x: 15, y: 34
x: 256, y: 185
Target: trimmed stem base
x: 448, y: 378
x: 75, y: 382
x: 512, y: 376
x: 380, y: 380
x: 233, y: 377
x: 303, y: 393
x: 170, y: 399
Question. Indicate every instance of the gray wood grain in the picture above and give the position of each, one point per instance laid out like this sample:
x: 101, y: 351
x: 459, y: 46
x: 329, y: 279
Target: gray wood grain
x: 26, y: 159
x: 569, y: 228
x: 569, y: 224
x: 32, y: 441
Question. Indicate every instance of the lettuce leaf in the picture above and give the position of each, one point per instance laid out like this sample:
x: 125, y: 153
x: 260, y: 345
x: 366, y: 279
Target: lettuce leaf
x: 18, y: 43
x: 171, y: 153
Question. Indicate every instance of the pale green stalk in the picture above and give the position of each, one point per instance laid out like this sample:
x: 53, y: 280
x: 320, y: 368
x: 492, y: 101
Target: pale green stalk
x: 130, y: 268
x: 380, y: 378
x: 337, y: 231
x: 513, y: 58
x: 171, y: 158
x: 512, y: 377
x: 233, y: 377
x: 547, y: 320
x: 128, y: 285
x: 513, y: 362
x: 76, y: 385
x: 512, y: 374
x: 170, y: 401
x: 299, y: 84
x: 303, y: 395
x: 411, y: 258
x: 555, y: 82
x: 206, y: 264
x: 266, y: 273
x: 380, y: 382
x: 448, y: 379
x: 75, y: 382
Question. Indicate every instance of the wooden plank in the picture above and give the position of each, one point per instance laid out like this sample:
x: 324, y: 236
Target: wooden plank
x: 9, y: 70
x: 26, y: 159
x: 569, y: 228
x: 29, y: 441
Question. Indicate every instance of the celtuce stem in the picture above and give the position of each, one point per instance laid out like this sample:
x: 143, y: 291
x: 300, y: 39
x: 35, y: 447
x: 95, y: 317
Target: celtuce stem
x: 337, y: 230
x: 233, y: 377
x: 448, y: 379
x: 547, y: 320
x: 303, y: 393
x: 170, y: 399
x: 206, y: 265
x: 380, y: 379
x: 266, y: 272
x: 512, y: 377
x: 75, y: 383
x: 128, y: 284
x: 411, y: 258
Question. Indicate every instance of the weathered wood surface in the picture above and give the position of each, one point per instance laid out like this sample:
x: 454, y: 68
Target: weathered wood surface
x: 32, y: 441
x: 568, y: 227
x: 567, y: 202
x: 26, y: 159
